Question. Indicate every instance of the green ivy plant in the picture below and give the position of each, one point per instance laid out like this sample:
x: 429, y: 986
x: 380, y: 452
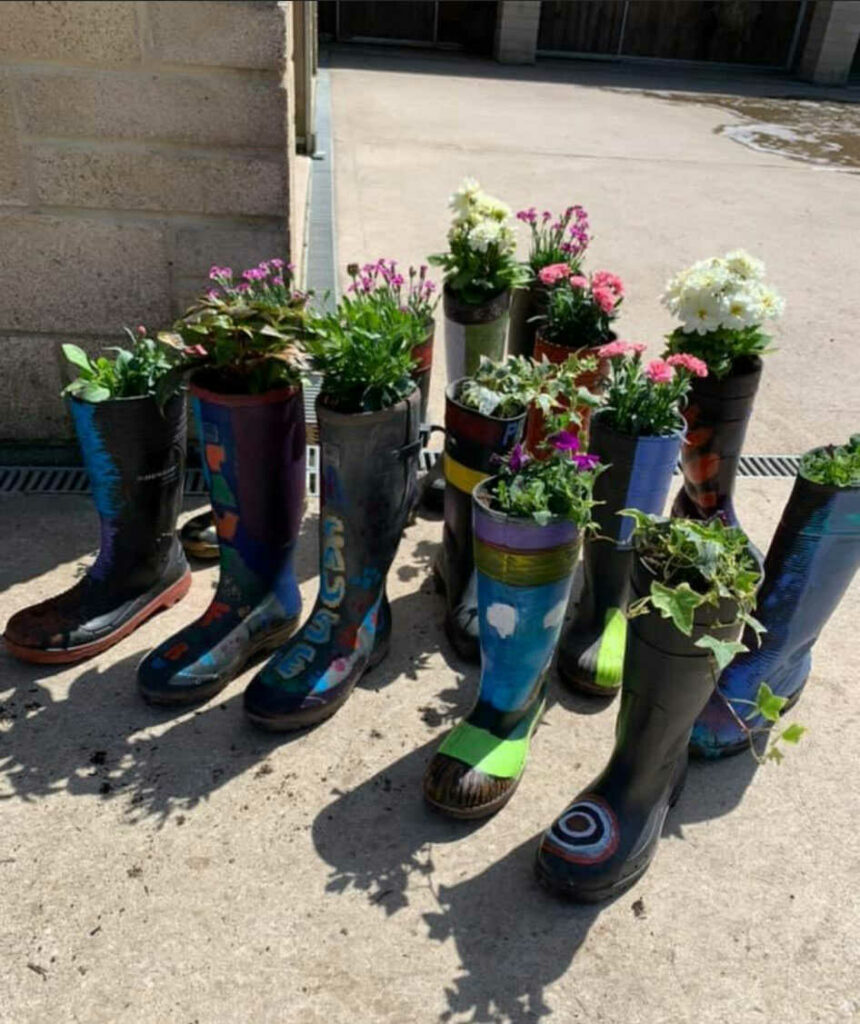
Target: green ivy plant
x: 132, y: 372
x: 506, y: 389
x: 833, y: 465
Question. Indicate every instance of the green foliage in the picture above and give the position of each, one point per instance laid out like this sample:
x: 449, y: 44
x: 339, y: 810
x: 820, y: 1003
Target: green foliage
x: 769, y: 706
x: 694, y: 564
x: 242, y: 338
x: 723, y: 350
x: 832, y: 465
x: 506, y: 389
x: 131, y: 373
x: 364, y: 355
x: 722, y: 650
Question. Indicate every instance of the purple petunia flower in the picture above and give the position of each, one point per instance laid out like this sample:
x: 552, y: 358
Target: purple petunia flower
x: 518, y: 458
x: 565, y: 441
x: 586, y: 461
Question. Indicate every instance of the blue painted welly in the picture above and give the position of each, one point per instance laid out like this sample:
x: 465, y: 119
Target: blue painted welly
x: 103, y: 471
x: 519, y: 630
x: 650, y: 478
x: 810, y: 564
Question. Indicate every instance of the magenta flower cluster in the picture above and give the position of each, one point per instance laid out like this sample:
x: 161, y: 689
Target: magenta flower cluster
x: 562, y: 238
x: 270, y: 279
x: 382, y: 280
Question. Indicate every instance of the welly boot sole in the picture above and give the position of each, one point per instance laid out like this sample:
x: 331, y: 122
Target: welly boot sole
x: 69, y: 655
x: 573, y: 681
x: 195, y: 695
x: 471, y: 813
x: 307, y: 717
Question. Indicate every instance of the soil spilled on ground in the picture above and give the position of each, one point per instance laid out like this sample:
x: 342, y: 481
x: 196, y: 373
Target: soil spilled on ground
x: 826, y: 133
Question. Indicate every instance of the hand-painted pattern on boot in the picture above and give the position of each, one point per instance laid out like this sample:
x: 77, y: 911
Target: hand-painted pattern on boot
x: 587, y: 832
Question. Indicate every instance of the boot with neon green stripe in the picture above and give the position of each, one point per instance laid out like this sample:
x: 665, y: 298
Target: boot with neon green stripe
x: 524, y: 573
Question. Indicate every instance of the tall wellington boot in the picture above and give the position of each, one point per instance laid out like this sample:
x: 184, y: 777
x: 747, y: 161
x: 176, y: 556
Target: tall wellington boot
x: 254, y: 451
x: 368, y: 471
x: 809, y: 566
x: 717, y: 416
x: 605, y: 840
x: 591, y: 651
x: 472, y: 442
x: 135, y: 457
x: 524, y: 574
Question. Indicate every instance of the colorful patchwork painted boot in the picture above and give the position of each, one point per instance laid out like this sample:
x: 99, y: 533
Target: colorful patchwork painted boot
x: 199, y: 536
x: 591, y: 651
x: 717, y: 416
x: 472, y: 331
x: 368, y: 471
x: 606, y: 839
x: 524, y: 574
x: 809, y: 566
x: 135, y: 457
x: 254, y: 451
x: 472, y: 441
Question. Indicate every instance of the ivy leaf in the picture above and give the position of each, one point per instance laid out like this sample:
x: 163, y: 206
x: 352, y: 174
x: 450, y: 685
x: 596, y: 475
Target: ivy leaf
x: 767, y: 704
x: 722, y: 650
x: 641, y: 520
x: 793, y: 733
x: 754, y: 625
x: 775, y: 754
x: 92, y: 392
x: 676, y: 603
x: 77, y: 357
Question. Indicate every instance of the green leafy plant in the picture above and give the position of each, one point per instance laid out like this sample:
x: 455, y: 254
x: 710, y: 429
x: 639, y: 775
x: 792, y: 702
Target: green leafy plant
x: 364, y: 354
x: 480, y: 262
x: 833, y: 465
x: 559, y: 485
x: 769, y: 706
x: 722, y: 303
x: 242, y: 337
x: 578, y: 311
x: 646, y: 401
x: 506, y: 389
x: 131, y: 373
x: 406, y: 305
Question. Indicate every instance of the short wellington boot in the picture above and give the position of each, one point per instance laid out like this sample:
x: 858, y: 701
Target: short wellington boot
x: 524, y: 574
x: 472, y: 442
x: 605, y: 840
x: 717, y: 416
x: 254, y: 451
x: 472, y: 331
x: 809, y: 566
x: 199, y: 536
x: 591, y: 651
x: 135, y: 457
x: 368, y: 471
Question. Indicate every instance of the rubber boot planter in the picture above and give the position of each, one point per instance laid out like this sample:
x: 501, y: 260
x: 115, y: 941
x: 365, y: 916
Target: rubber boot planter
x: 254, y: 456
x: 591, y: 379
x: 717, y: 415
x: 423, y: 356
x: 472, y: 441
x: 135, y: 457
x: 199, y: 536
x: 473, y: 331
x: 368, y: 472
x: 809, y: 566
x: 591, y: 651
x: 524, y: 573
x: 525, y: 305
x: 606, y: 839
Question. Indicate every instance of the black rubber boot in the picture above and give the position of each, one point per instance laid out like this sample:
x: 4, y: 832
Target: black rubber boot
x: 717, y: 416
x: 591, y: 652
x: 199, y: 536
x: 605, y: 840
x: 368, y: 471
x: 135, y: 457
x: 811, y: 561
x: 254, y: 451
x: 472, y: 441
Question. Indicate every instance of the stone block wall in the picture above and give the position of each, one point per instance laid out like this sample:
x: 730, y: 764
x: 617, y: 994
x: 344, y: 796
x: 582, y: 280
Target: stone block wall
x: 139, y: 143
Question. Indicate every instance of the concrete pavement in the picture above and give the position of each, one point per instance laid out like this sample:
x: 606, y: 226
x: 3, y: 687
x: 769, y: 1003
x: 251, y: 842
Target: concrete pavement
x: 182, y: 867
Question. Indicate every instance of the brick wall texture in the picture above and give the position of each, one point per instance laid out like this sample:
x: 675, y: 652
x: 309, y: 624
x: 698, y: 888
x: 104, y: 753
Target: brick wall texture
x: 139, y: 143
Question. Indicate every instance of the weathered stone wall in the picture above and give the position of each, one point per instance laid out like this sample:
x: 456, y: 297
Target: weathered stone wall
x: 139, y: 144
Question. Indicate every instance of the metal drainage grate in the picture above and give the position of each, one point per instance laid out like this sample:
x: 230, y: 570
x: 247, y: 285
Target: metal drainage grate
x: 74, y: 480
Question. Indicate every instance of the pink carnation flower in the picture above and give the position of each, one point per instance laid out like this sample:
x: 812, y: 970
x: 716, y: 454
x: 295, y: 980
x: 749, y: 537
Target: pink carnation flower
x: 638, y: 347
x: 604, y: 279
x: 578, y: 281
x: 696, y: 366
x: 658, y: 371
x: 614, y: 349
x: 603, y: 297
x: 554, y: 272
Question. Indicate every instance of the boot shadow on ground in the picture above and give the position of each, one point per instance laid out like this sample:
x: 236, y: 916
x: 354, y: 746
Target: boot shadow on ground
x: 513, y: 939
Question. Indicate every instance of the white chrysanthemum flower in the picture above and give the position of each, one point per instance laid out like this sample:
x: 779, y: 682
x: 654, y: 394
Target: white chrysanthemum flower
x: 740, y: 262
x: 484, y: 234
x: 463, y: 201
x: 743, y: 309
x: 700, y: 310
x: 771, y: 302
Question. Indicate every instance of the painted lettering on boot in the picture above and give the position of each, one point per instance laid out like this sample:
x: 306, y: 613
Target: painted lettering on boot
x: 332, y: 579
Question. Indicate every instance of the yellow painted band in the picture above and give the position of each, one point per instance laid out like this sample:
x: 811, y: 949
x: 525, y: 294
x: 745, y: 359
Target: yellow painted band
x: 460, y: 476
x: 526, y: 568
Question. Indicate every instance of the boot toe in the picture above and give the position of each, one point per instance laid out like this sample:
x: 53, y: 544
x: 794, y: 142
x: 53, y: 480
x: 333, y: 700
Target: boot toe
x: 458, y: 789
x: 717, y: 732
x: 165, y: 677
